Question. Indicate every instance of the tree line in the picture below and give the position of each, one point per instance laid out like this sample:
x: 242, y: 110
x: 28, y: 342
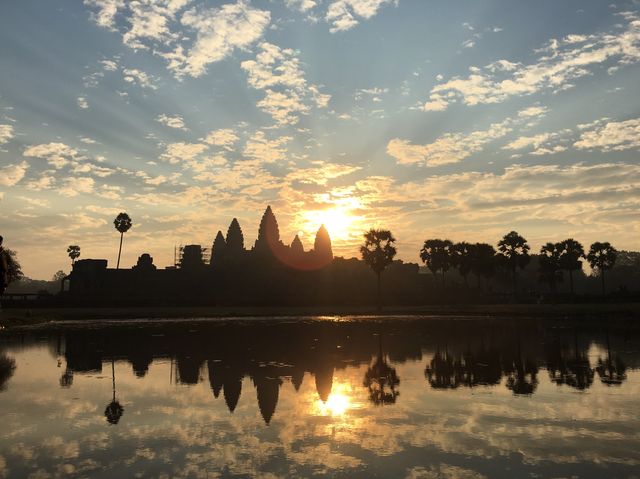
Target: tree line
x: 483, y: 260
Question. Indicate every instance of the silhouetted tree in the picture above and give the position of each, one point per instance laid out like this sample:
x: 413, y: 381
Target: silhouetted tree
x: 514, y: 250
x: 378, y: 251
x: 601, y: 257
x: 549, y: 265
x: 612, y: 370
x: 483, y: 261
x: 15, y: 270
x: 218, y: 249
x: 7, y: 368
x: 437, y: 256
x: 571, y: 251
x: 322, y: 246
x: 235, y: 238
x: 462, y: 259
x: 122, y: 223
x: 74, y: 253
x: 58, y: 276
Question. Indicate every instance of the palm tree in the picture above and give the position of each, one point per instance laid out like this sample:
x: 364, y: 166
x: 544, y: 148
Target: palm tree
x: 601, y: 257
x: 462, y: 258
x: 122, y: 224
x: 515, y: 252
x: 378, y: 251
x: 571, y: 251
x: 549, y: 269
x: 380, y: 376
x: 74, y: 253
x: 483, y: 261
x: 436, y: 255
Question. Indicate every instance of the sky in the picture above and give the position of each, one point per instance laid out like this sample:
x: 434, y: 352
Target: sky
x: 450, y: 119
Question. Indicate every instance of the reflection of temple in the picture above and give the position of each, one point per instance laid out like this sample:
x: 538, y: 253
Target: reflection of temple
x: 268, y: 355
x: 270, y: 272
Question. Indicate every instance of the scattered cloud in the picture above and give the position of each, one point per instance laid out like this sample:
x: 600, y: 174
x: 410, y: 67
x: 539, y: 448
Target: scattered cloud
x: 300, y: 5
x: 13, y: 173
x: 182, y: 152
x: 82, y: 103
x: 259, y: 147
x: 278, y: 71
x: 140, y: 78
x: 78, y: 185
x: 344, y: 14
x: 6, y: 133
x: 57, y: 154
x: 176, y: 121
x: 558, y: 64
x: 611, y: 136
x: 224, y: 137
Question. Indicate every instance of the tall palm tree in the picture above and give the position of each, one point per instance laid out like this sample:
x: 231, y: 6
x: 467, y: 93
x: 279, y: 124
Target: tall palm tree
x: 549, y: 268
x: 436, y: 254
x: 601, y: 257
x: 483, y: 261
x: 74, y: 253
x: 462, y: 259
x: 514, y: 250
x: 122, y: 223
x: 571, y: 251
x: 378, y: 251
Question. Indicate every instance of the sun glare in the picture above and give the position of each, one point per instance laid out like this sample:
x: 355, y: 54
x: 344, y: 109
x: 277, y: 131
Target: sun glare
x: 340, y: 220
x: 337, y: 405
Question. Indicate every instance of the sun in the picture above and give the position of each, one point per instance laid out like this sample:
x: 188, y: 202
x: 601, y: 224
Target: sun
x: 337, y: 405
x: 340, y: 220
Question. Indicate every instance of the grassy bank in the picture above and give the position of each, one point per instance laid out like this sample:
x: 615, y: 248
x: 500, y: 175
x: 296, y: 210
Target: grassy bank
x: 20, y: 317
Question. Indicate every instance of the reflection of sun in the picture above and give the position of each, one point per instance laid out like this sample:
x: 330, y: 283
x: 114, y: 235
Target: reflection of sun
x: 338, y: 403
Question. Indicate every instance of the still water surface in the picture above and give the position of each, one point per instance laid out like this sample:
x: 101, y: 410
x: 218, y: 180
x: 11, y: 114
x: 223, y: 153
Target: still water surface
x: 403, y: 398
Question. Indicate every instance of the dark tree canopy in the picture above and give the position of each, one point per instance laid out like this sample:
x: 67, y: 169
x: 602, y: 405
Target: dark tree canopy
x: 58, y: 276
x: 15, y: 270
x: 378, y: 249
x: 436, y: 255
x: 322, y: 245
x: 514, y: 250
x: 571, y: 251
x: 462, y: 257
x: 235, y: 238
x: 74, y: 252
x: 483, y: 260
x: 122, y: 222
x: 602, y: 256
x: 550, y: 264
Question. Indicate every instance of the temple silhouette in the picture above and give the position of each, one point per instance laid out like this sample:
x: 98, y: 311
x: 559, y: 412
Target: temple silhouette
x: 271, y: 272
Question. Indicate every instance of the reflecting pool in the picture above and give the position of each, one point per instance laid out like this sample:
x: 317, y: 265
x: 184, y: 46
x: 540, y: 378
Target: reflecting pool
x: 341, y: 397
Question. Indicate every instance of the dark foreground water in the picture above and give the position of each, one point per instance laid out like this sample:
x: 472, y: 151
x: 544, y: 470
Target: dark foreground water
x: 273, y: 398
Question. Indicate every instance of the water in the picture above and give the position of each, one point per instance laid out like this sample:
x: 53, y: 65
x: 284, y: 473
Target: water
x: 426, y: 398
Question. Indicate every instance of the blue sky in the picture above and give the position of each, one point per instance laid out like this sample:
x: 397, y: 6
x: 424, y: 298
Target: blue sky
x: 457, y: 119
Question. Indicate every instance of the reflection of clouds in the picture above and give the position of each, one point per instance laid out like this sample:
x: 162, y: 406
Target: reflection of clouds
x: 186, y: 432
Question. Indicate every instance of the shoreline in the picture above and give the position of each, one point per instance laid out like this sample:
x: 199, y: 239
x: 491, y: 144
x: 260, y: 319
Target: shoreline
x: 11, y: 318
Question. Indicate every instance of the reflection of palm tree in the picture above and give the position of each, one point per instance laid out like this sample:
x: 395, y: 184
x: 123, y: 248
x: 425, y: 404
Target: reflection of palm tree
x: 114, y: 410
x: 66, y: 380
x: 7, y: 368
x: 378, y: 378
x: 443, y: 372
x: 612, y: 372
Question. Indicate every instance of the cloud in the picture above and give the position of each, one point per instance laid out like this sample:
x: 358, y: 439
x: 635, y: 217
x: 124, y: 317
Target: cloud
x: 106, y: 11
x: 176, y: 121
x: 75, y: 186
x: 82, y: 103
x: 449, y: 148
x: 341, y: 14
x: 13, y: 173
x: 612, y: 136
x: 287, y: 93
x: 224, y: 137
x: 56, y: 154
x: 558, y: 64
x: 182, y: 152
x: 300, y: 5
x: 259, y: 147
x: 149, y: 19
x: 219, y: 31
x: 142, y: 79
x: 6, y: 133
x: 109, y: 65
